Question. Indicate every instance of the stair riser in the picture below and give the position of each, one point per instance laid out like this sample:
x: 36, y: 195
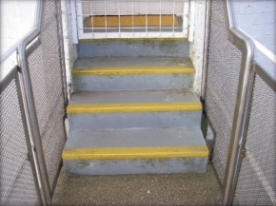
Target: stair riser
x: 134, y: 120
x: 136, y: 166
x: 165, y: 48
x: 133, y: 82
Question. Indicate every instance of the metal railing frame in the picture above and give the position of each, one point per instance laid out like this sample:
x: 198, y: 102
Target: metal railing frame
x: 24, y: 47
x: 131, y: 31
x: 245, y: 85
x: 240, y: 120
x: 30, y: 112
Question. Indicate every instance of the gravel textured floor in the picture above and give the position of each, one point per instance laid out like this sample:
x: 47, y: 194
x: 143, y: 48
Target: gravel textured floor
x: 175, y: 189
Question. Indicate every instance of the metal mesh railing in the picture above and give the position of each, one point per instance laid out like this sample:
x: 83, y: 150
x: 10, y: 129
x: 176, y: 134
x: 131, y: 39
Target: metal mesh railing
x: 257, y: 177
x: 45, y: 71
x: 24, y: 180
x: 224, y: 62
x: 17, y: 180
x: 248, y: 174
x: 132, y: 19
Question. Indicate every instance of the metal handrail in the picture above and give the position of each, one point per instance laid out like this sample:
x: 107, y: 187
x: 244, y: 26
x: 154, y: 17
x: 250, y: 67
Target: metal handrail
x: 24, y: 47
x: 240, y: 120
x: 241, y: 40
x: 29, y: 108
x: 270, y: 81
x: 245, y: 85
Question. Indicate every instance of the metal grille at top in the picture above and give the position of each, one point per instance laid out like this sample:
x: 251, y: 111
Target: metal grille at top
x: 132, y: 19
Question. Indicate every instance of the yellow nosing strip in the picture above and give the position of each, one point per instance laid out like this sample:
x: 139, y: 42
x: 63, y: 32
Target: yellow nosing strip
x: 133, y: 107
x: 134, y: 152
x: 132, y: 39
x: 127, y: 70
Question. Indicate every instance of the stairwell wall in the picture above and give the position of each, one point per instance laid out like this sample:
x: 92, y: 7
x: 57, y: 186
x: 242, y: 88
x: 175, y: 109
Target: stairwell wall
x: 70, y: 48
x: 258, y: 19
x: 16, y: 19
x: 197, y: 44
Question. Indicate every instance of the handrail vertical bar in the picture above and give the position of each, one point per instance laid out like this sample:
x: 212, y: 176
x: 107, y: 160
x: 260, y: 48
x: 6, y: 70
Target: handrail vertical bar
x: 30, y: 112
x: 242, y: 106
x: 28, y: 140
x: 205, y: 51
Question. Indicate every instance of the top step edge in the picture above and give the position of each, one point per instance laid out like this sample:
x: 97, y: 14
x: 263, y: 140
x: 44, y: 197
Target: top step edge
x: 132, y: 39
x: 135, y: 152
x: 133, y: 70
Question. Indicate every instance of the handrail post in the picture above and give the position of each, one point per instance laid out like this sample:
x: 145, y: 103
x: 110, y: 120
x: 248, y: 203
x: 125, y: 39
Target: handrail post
x: 32, y: 127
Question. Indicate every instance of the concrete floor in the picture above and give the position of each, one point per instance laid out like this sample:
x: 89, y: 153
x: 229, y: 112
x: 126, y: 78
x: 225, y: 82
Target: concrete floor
x: 175, y: 189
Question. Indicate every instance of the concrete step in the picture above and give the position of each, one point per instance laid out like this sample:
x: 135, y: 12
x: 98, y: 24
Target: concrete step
x: 128, y: 109
x: 141, y: 73
x: 131, y: 47
x: 135, y: 151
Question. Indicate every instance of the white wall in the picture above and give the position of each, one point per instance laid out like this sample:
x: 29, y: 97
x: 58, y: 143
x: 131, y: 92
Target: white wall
x: 126, y: 8
x: 70, y: 48
x: 258, y: 19
x: 197, y: 45
x: 17, y: 18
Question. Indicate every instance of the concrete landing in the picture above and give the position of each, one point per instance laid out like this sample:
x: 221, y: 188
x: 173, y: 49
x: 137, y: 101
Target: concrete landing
x: 130, y: 190
x: 134, y: 48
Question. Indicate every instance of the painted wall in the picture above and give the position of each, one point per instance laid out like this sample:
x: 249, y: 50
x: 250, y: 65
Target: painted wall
x: 126, y: 8
x: 70, y: 49
x: 17, y: 18
x: 258, y: 19
x: 197, y: 45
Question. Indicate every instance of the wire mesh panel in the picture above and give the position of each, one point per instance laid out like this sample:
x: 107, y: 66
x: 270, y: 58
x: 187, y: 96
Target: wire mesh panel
x: 257, y: 177
x: 46, y: 78
x: 127, y: 19
x: 224, y: 63
x: 17, y: 183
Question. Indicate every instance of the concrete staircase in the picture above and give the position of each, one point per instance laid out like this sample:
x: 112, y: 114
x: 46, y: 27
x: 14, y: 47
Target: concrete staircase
x: 133, y: 110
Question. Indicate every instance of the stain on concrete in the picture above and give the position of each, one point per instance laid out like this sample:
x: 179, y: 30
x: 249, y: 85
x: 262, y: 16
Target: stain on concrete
x: 82, y: 164
x: 78, y: 83
x: 168, y: 47
x: 149, y: 43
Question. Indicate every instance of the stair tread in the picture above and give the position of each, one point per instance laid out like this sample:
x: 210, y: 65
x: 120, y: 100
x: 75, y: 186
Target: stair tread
x: 96, y: 97
x: 136, y: 137
x: 131, y: 101
x: 102, y: 62
x: 135, y: 143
